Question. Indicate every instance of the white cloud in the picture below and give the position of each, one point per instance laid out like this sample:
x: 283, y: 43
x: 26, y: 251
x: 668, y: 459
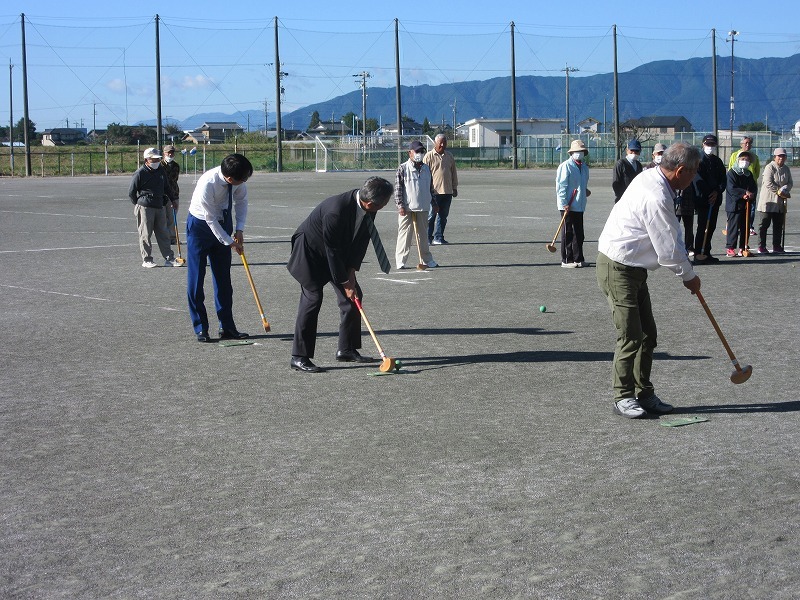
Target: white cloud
x: 116, y: 85
x: 189, y: 82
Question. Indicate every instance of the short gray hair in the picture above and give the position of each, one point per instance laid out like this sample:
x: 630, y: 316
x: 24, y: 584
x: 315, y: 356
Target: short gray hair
x: 680, y: 154
x: 440, y: 136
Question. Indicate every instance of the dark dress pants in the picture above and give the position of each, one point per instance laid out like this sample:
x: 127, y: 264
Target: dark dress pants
x: 305, y: 329
x: 201, y: 246
x: 703, y: 220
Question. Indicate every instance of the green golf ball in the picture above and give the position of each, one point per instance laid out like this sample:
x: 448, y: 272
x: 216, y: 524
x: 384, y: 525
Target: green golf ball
x: 542, y: 308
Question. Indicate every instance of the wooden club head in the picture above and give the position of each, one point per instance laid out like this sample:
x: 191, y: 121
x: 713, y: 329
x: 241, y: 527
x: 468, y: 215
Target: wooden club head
x: 387, y: 365
x: 746, y: 252
x: 740, y: 376
x: 180, y: 260
x: 550, y: 247
x: 422, y: 267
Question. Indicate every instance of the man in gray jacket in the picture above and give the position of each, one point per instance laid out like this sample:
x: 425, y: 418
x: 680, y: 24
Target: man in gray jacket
x: 148, y: 192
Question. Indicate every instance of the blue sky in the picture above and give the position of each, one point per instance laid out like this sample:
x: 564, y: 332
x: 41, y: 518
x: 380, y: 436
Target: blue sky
x: 94, y: 62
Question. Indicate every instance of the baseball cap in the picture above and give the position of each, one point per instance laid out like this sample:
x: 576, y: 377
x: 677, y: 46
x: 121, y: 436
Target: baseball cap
x: 635, y: 145
x: 710, y: 140
x: 416, y: 146
x: 779, y: 152
x: 151, y: 153
x: 169, y: 148
x: 659, y: 148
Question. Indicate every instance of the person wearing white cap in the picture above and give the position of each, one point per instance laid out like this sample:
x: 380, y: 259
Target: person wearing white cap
x: 572, y: 180
x: 658, y: 152
x: 148, y: 192
x: 776, y: 185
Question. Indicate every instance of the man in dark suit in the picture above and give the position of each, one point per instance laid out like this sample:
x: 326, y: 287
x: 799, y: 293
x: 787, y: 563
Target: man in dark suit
x: 329, y: 246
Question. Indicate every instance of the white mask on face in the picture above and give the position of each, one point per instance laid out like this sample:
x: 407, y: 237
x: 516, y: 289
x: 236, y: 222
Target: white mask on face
x: 168, y: 159
x: 418, y: 157
x: 154, y: 165
x: 708, y: 149
x: 743, y: 164
x: 577, y: 156
x: 632, y: 157
x: 657, y: 159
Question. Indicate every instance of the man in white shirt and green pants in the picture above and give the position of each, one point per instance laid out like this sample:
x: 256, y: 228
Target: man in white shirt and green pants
x: 642, y: 234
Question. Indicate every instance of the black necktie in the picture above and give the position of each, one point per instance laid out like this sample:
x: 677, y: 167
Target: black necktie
x: 227, y: 216
x: 378, y: 245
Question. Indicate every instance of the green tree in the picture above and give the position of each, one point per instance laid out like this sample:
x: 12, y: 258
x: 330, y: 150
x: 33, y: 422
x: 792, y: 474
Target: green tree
x: 314, y: 120
x: 348, y: 119
x: 426, y: 126
x: 754, y: 126
x: 19, y: 130
x: 372, y: 125
x: 118, y: 134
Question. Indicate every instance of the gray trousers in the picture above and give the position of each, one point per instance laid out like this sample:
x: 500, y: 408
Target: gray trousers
x: 629, y: 299
x: 151, y: 221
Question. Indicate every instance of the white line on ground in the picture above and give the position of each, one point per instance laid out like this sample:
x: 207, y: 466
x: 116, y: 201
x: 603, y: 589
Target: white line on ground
x: 24, y: 212
x: 27, y: 289
x: 70, y: 248
x: 403, y: 280
x: 477, y: 215
x: 534, y: 218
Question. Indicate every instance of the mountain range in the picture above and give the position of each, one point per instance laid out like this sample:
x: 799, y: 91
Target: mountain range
x: 765, y: 90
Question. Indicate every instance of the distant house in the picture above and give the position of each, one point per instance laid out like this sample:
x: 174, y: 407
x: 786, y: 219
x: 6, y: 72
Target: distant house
x: 588, y: 125
x: 212, y: 133
x: 329, y: 128
x: 659, y: 125
x: 63, y: 136
x: 496, y: 133
x: 410, y: 127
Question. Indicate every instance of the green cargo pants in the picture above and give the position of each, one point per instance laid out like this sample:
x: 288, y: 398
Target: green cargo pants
x: 629, y: 299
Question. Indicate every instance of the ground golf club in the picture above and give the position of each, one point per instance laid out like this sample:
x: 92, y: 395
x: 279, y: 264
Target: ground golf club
x: 740, y: 374
x: 264, y: 321
x: 388, y: 364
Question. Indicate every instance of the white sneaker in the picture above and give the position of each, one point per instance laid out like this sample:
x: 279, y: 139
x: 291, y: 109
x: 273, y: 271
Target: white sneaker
x: 149, y: 264
x: 629, y: 408
x: 655, y: 405
x: 569, y: 265
x: 432, y: 263
x: 401, y: 266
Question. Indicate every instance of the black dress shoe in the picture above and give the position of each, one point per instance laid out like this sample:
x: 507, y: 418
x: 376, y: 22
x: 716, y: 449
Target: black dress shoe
x: 354, y: 356
x: 203, y: 337
x: 303, y: 363
x: 232, y: 334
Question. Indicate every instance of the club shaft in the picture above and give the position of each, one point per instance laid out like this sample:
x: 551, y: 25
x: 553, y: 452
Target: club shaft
x: 719, y: 331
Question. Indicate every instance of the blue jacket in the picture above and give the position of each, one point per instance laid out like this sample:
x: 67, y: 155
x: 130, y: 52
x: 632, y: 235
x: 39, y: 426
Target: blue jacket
x: 569, y: 177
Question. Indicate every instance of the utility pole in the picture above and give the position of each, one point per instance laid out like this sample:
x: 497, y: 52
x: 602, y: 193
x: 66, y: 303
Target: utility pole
x: 363, y: 75
x: 94, y: 116
x: 11, y: 115
x: 159, y: 129
x: 732, y: 39
x: 455, y: 108
x: 616, y: 99
x: 513, y: 103
x: 266, y: 109
x: 26, y: 117
x: 279, y: 75
x: 567, y: 69
x: 714, y: 116
x: 397, y: 94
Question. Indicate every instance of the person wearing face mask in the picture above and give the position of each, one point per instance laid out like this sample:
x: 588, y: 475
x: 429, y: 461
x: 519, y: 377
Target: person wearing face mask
x: 741, y: 189
x: 149, y: 193
x: 572, y: 180
x: 414, y: 195
x: 776, y: 186
x: 173, y: 171
x: 713, y: 183
x: 658, y: 153
x: 626, y: 169
x: 755, y: 168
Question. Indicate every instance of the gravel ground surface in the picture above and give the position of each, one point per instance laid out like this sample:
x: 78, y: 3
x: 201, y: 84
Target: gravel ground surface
x: 137, y: 463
